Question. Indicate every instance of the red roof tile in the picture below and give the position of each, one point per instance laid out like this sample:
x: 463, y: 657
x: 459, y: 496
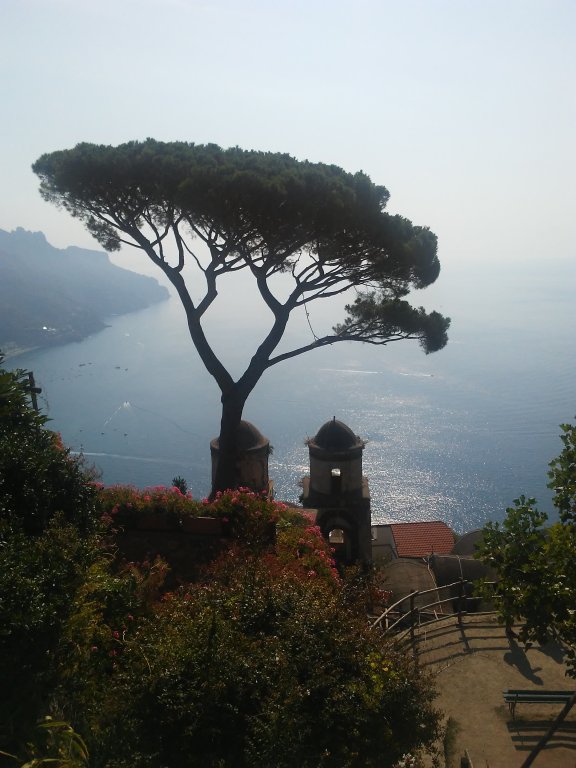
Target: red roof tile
x: 420, y: 539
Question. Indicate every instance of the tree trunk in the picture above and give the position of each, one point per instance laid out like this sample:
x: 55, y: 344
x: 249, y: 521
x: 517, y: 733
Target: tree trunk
x: 550, y: 732
x: 226, y: 475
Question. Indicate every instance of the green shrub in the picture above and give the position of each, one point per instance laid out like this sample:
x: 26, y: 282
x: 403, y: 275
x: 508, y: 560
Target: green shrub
x: 38, y: 577
x: 535, y: 561
x: 47, y: 541
x: 180, y: 483
x: 57, y: 744
x: 261, y: 665
x: 38, y: 476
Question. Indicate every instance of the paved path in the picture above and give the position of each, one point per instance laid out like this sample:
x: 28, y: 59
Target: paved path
x: 472, y: 665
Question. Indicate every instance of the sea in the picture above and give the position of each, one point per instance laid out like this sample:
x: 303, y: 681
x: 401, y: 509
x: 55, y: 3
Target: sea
x: 453, y: 436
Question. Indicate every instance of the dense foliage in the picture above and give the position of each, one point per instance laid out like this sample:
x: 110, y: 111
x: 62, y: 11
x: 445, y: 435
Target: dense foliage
x: 266, y: 660
x: 38, y: 476
x: 263, y: 665
x: 304, y: 232
x: 47, y: 523
x: 536, y: 565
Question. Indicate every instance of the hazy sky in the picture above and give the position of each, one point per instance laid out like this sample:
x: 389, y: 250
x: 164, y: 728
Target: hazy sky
x: 464, y: 109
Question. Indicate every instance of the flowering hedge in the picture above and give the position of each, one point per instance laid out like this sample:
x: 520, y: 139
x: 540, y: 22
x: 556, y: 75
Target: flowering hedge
x: 250, y: 518
x: 125, y: 504
x: 301, y: 547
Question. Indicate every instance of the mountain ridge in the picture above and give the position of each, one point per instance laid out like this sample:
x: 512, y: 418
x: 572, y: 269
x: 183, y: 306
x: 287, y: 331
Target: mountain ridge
x: 51, y: 296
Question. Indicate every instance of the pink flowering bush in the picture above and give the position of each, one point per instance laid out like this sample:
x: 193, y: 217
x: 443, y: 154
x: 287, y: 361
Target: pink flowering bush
x: 301, y: 546
x: 125, y: 504
x: 257, y: 523
x: 251, y: 517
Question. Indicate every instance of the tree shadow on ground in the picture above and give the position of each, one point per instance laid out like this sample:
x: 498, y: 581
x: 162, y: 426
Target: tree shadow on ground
x: 516, y: 657
x: 525, y: 734
x: 459, y: 640
x: 554, y: 650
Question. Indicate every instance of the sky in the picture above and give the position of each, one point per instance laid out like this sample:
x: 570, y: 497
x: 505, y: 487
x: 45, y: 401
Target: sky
x: 464, y: 109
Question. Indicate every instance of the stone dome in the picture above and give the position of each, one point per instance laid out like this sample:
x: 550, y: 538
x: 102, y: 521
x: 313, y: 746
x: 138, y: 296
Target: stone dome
x: 335, y: 436
x: 249, y: 438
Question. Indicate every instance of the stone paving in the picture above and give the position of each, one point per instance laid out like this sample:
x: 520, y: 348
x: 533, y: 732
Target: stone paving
x: 472, y: 665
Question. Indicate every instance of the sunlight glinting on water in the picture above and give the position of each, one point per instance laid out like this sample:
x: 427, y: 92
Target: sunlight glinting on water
x: 454, y: 436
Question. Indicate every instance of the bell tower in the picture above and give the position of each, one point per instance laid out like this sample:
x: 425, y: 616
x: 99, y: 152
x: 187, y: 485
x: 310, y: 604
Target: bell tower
x: 252, y: 460
x: 339, y: 492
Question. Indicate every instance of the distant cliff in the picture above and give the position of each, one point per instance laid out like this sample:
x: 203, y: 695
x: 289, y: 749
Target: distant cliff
x: 50, y: 296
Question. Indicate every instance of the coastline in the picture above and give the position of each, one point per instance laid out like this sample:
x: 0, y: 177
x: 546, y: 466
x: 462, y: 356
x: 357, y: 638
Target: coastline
x: 11, y: 352
x: 51, y: 296
x: 72, y: 335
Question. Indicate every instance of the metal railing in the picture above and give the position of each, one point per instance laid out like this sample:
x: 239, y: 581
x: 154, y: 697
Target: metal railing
x: 394, y: 618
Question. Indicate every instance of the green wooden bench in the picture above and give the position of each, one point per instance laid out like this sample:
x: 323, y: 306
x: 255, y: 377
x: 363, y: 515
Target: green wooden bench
x: 513, y: 697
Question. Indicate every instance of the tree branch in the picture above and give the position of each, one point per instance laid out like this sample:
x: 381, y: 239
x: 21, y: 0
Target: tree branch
x: 325, y: 341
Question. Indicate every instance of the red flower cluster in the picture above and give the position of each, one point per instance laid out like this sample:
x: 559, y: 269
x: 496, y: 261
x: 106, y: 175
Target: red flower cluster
x: 124, y: 504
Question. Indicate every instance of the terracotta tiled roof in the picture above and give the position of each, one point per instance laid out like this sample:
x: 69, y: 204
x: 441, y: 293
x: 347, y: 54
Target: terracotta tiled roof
x: 420, y: 539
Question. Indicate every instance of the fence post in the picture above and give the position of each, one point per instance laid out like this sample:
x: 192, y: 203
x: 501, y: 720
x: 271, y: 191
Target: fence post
x: 460, y: 599
x: 34, y: 390
x: 412, y: 599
